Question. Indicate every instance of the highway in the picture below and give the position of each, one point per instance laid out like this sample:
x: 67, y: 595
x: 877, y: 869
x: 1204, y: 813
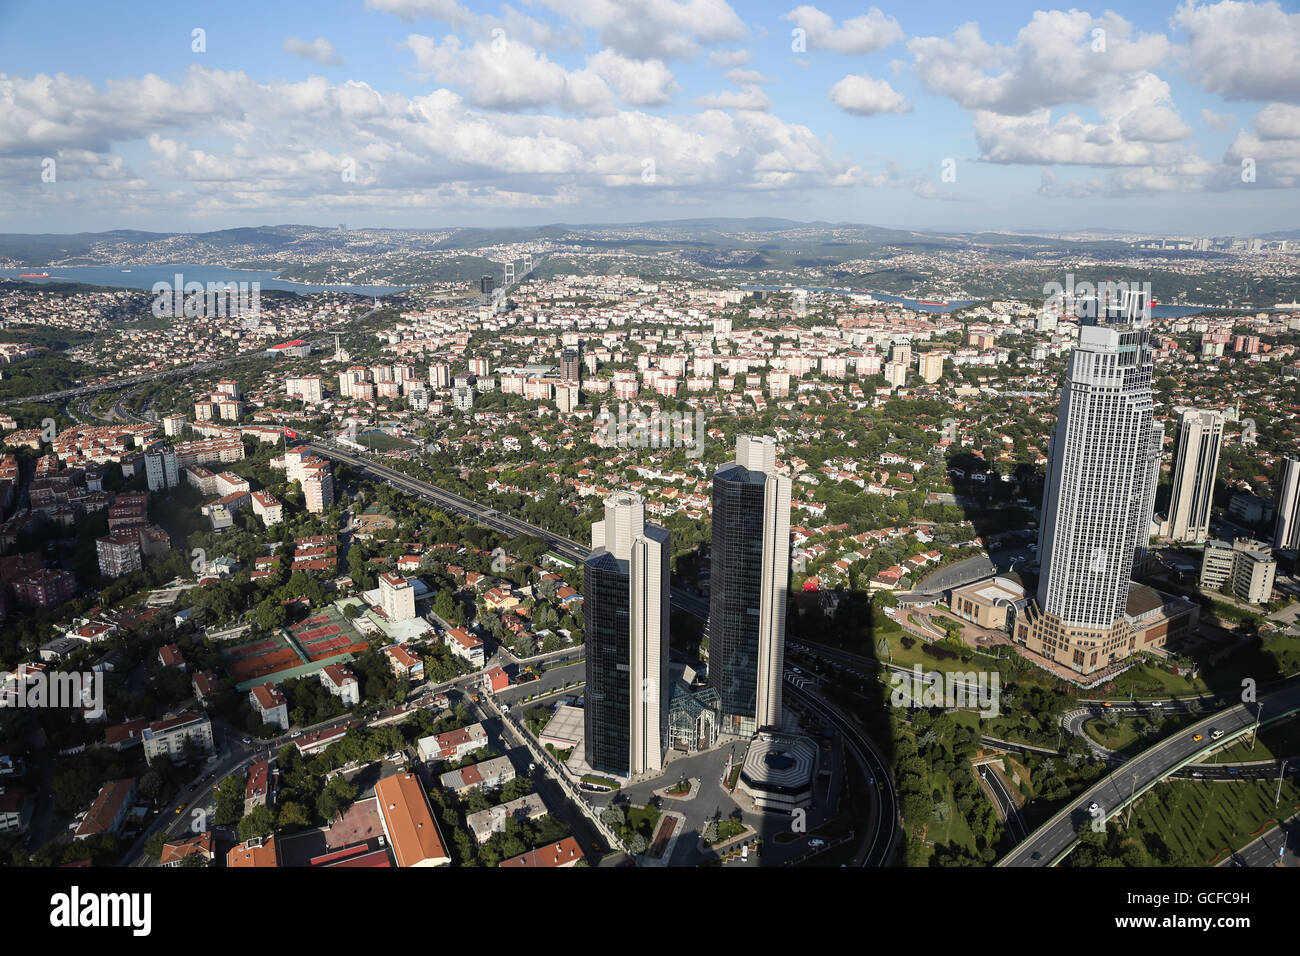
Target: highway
x: 885, y: 826
x: 692, y: 604
x: 1015, y: 823
x: 1055, y: 838
x: 206, y: 365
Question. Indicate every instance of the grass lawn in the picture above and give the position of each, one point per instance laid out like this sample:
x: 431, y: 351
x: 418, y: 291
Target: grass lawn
x: 1112, y: 738
x: 1127, y: 736
x: 954, y: 829
x: 644, y: 820
x: 380, y: 441
x: 1148, y: 681
x: 1196, y: 820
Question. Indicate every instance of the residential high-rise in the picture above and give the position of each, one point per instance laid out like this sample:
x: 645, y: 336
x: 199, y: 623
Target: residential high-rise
x: 396, y: 597
x: 749, y: 586
x: 1097, y: 503
x: 1286, y: 532
x: 625, y: 606
x: 160, y: 469
x: 1200, y: 439
x: 570, y: 365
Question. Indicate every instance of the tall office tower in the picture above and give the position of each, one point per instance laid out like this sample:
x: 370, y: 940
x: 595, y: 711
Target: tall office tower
x: 571, y: 365
x: 487, y: 284
x: 625, y: 606
x: 1128, y: 305
x: 1286, y: 533
x: 750, y: 585
x: 1200, y: 439
x: 1097, y: 500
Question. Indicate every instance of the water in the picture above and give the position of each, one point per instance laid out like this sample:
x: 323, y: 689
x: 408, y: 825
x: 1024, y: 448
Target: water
x: 144, y: 277
x: 1157, y: 311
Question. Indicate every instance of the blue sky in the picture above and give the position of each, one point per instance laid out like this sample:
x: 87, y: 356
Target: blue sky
x: 1177, y: 118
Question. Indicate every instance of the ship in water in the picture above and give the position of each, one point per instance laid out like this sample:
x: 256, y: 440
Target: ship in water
x: 1288, y: 306
x: 928, y: 302
x: 33, y: 275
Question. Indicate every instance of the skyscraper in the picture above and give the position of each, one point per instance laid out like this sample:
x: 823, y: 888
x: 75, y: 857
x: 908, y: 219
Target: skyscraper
x: 1286, y: 533
x: 1097, y: 503
x: 625, y: 606
x: 750, y: 585
x: 1200, y: 439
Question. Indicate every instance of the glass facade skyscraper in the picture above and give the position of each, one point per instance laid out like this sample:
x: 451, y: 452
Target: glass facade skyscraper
x: 750, y: 584
x: 625, y: 606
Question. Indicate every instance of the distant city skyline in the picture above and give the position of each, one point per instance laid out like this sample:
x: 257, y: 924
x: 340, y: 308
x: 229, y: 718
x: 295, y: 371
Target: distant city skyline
x: 1166, y: 119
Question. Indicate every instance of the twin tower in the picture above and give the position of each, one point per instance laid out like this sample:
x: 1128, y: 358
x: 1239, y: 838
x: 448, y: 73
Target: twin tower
x: 626, y: 606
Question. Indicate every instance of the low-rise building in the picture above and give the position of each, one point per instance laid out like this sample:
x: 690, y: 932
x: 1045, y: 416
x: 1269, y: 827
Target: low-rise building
x: 562, y: 853
x: 110, y: 810
x: 488, y: 774
x: 493, y: 820
x: 339, y: 680
x: 408, y: 822
x: 168, y: 736
x: 454, y: 744
x: 466, y: 646
x: 268, y: 701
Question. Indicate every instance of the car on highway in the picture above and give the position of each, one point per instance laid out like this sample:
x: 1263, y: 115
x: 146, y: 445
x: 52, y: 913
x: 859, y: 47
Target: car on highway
x: 247, y: 740
x: 295, y: 735
x: 1215, y: 733
x: 1107, y: 704
x: 1197, y: 738
x: 816, y: 843
x: 1093, y: 808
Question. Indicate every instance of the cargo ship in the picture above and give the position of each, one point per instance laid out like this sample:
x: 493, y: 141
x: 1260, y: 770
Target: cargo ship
x: 925, y: 302
x: 34, y: 275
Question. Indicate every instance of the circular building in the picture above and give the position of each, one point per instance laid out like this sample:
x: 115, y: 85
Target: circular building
x: 778, y: 772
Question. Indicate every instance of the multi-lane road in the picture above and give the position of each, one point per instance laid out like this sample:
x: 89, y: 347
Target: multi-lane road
x: 1055, y: 838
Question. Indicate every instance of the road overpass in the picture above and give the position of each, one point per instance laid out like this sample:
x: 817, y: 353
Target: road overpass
x: 1053, y: 841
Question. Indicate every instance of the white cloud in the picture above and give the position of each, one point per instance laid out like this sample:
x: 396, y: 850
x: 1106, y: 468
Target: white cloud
x: 747, y: 98
x: 319, y: 49
x: 747, y: 77
x: 447, y: 11
x: 1242, y: 51
x: 637, y: 82
x: 219, y: 141
x: 865, y: 34
x: 1273, y: 147
x: 503, y: 74
x: 641, y: 29
x: 1053, y: 61
x: 864, y: 96
x: 1217, y: 121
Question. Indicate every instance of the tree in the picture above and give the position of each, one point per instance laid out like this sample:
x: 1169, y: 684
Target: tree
x: 259, y: 823
x: 613, y: 817
x: 292, y: 816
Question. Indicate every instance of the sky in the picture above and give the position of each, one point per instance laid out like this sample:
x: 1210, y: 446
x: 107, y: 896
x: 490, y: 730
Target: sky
x: 1177, y: 118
